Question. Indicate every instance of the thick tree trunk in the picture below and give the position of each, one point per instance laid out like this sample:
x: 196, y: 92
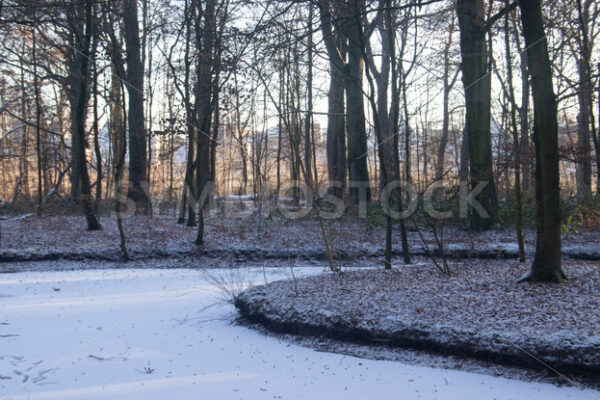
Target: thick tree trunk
x: 357, y: 136
x: 336, y: 120
x: 546, y: 265
x: 79, y: 58
x: 135, y: 87
x: 203, y: 92
x: 355, y: 111
x: 477, y: 84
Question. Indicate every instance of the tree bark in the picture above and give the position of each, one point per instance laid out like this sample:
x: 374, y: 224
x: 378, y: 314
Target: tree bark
x: 355, y: 111
x: 394, y: 121
x: 135, y: 88
x: 526, y: 154
x: 347, y: 22
x: 386, y: 122
x: 584, y: 159
x: 118, y: 131
x: 546, y: 265
x: 587, y: 126
x: 204, y: 41
x: 97, y: 151
x: 309, y: 103
x: 38, y: 121
x: 82, y: 24
x: 477, y: 83
x: 336, y: 122
x: 448, y: 85
x: 515, y: 136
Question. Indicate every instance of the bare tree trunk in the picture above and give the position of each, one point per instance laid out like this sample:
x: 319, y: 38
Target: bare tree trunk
x: 477, y: 82
x: 586, y: 121
x: 403, y: 74
x: 546, y: 265
x: 119, y: 131
x: 204, y: 41
x: 215, y: 138
x: 147, y: 55
x: 386, y: 124
x: 355, y: 111
x: 309, y: 100
x: 188, y: 183
x: 395, y: 126
x: 526, y: 153
x: 336, y: 122
x: 137, y: 133
x: 38, y: 121
x: 336, y: 135
x: 448, y: 85
x: 383, y: 131
x: 279, y: 129
x: 584, y: 162
x: 97, y: 151
x: 79, y: 57
x: 515, y: 135
x: 355, y: 125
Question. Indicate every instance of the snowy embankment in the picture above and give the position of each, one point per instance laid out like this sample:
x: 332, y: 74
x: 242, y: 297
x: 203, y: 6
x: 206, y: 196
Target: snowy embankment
x: 250, y: 239
x: 479, y: 312
x: 166, y: 334
x: 253, y: 253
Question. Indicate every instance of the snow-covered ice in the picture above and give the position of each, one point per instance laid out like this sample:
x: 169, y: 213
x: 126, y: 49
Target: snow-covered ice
x: 167, y: 334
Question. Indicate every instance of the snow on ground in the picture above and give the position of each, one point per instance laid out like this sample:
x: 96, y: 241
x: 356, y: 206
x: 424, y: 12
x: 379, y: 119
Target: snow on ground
x: 167, y: 334
x: 480, y: 311
x: 64, y: 234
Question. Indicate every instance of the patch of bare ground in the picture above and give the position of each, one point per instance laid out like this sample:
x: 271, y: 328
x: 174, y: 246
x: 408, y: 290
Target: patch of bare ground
x: 479, y: 312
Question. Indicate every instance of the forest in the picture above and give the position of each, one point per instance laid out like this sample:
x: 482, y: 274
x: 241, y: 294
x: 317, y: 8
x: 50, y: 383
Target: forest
x: 454, y: 144
x: 167, y: 100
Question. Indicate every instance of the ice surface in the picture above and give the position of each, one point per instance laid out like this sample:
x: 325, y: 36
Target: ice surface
x: 166, y: 334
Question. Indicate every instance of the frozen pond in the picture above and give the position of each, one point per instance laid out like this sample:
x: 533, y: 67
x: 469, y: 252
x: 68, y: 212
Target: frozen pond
x: 167, y: 334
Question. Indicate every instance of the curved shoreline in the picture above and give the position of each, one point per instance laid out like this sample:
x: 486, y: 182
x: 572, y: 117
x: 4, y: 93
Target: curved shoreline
x: 554, y: 353
x: 257, y: 254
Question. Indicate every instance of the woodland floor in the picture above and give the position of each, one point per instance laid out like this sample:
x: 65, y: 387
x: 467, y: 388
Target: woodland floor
x: 480, y: 311
x: 250, y: 238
